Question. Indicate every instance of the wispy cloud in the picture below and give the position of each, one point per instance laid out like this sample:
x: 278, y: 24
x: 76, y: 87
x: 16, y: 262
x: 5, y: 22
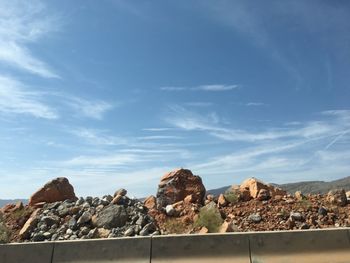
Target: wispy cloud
x: 22, y: 23
x: 158, y: 129
x: 14, y: 99
x: 216, y: 87
x: 98, y: 137
x: 103, y: 161
x: 255, y: 104
x: 211, y: 87
x: 199, y: 104
x: 188, y: 120
x: 89, y: 108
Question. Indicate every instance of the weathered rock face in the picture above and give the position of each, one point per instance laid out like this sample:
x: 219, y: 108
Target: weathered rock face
x: 150, y: 202
x: 178, y: 184
x: 337, y: 197
x: 259, y: 190
x: 29, y: 225
x: 58, y: 189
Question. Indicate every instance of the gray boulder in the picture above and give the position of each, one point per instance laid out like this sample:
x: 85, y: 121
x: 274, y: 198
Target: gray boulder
x: 110, y: 217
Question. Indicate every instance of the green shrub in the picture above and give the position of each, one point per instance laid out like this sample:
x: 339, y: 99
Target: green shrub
x: 174, y: 226
x: 305, y: 204
x: 4, y: 233
x: 210, y: 217
x: 231, y: 197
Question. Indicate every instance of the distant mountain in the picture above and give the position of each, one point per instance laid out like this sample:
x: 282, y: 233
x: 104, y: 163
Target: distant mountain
x: 317, y: 187
x: 306, y: 187
x: 4, y: 202
x: 218, y: 191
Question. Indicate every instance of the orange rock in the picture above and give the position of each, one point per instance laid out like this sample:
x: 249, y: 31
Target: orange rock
x: 254, y: 186
x: 210, y: 197
x: 203, y: 230
x: 29, y: 226
x: 276, y: 191
x: 116, y: 199
x: 226, y: 227
x: 178, y: 184
x: 150, y: 202
x: 337, y: 197
x: 188, y: 199
x: 58, y: 189
x: 299, y: 196
x: 263, y: 195
x: 222, y: 200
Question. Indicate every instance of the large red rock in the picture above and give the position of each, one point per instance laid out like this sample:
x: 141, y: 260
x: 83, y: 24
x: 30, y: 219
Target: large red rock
x: 178, y: 184
x: 58, y: 189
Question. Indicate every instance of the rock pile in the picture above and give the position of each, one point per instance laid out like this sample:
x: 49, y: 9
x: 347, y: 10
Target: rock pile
x: 89, y: 218
x: 180, y: 206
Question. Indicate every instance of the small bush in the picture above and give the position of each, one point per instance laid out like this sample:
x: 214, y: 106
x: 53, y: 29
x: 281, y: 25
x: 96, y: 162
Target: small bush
x: 305, y: 204
x: 174, y: 226
x: 210, y: 217
x: 231, y: 197
x: 4, y: 233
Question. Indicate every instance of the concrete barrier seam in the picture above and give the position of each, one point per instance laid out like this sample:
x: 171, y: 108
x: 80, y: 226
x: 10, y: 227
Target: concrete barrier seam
x: 53, y: 251
x: 250, y: 250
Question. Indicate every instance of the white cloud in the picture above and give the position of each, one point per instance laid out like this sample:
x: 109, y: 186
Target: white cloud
x: 103, y: 161
x: 170, y: 88
x: 212, y: 88
x: 216, y: 87
x: 199, y: 104
x: 255, y: 104
x: 14, y: 99
x: 87, y: 108
x: 210, y: 123
x: 22, y: 23
x: 157, y: 129
x: 98, y: 137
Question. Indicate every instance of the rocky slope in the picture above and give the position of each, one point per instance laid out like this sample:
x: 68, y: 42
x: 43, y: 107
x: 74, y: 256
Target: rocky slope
x: 181, y: 205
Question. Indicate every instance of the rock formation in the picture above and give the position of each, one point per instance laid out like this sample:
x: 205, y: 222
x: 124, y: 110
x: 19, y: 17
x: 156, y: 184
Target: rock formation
x: 58, y: 189
x: 177, y: 185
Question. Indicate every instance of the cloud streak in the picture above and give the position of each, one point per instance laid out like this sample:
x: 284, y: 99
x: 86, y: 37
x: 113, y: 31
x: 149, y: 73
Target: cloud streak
x: 210, y: 88
x: 22, y: 23
x: 87, y: 108
x: 14, y: 99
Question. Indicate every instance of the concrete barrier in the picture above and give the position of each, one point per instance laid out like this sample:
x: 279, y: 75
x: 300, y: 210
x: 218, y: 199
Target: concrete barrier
x: 321, y: 246
x: 26, y: 253
x: 103, y: 250
x: 201, y: 248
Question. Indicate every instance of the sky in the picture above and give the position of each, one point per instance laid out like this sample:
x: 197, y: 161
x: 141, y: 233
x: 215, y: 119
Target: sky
x: 115, y: 93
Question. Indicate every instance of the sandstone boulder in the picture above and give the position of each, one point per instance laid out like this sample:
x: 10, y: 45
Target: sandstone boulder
x: 28, y: 227
x: 222, y: 200
x: 254, y: 186
x: 150, y: 202
x: 58, y: 189
x: 259, y: 190
x: 337, y: 197
x: 299, y: 196
x: 178, y: 184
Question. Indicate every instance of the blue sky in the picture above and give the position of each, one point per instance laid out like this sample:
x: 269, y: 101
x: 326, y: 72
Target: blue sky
x: 115, y: 93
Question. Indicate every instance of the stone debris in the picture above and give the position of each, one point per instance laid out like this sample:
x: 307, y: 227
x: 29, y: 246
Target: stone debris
x: 179, y: 206
x: 88, y: 218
